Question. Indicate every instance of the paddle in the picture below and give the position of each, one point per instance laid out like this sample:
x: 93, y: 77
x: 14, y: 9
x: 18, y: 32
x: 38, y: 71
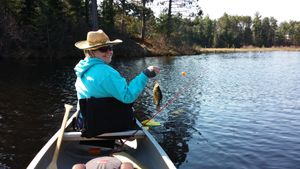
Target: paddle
x: 53, y: 164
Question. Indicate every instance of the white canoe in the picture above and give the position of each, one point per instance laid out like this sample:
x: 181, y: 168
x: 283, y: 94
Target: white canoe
x: 143, y: 151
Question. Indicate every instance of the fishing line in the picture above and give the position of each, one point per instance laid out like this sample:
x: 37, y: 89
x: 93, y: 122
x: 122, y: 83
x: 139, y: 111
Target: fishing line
x: 211, y: 144
x: 206, y: 140
x: 168, y: 103
x: 172, y: 99
x: 218, y: 148
x: 200, y: 134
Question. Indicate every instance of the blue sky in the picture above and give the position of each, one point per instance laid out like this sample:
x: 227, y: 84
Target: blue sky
x: 282, y: 10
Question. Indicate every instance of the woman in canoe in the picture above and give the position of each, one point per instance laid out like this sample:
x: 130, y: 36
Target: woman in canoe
x: 105, y: 97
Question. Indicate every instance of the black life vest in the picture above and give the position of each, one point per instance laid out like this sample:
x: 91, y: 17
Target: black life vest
x: 103, y: 115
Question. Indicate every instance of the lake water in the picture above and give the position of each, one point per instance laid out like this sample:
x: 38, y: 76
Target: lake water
x: 235, y: 111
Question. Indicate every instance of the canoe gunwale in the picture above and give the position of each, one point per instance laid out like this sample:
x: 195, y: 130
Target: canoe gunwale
x: 141, y: 134
x: 47, y: 146
x: 163, y: 154
x: 131, y: 134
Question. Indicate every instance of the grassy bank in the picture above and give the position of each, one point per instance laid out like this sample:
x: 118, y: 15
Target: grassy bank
x: 245, y: 49
x: 160, y: 47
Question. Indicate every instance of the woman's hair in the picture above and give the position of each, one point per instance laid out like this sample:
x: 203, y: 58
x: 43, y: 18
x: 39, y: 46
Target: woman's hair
x: 85, y: 52
x: 88, y: 53
x: 101, y: 49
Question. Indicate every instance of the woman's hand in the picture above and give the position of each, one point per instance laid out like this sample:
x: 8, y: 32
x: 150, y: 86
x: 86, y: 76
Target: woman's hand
x: 151, y: 71
x: 154, y: 68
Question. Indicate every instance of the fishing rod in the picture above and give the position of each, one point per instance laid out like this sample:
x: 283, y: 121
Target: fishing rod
x: 167, y: 104
x: 170, y: 101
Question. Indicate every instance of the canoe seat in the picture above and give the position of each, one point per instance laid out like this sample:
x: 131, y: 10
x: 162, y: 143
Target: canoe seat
x: 132, y: 134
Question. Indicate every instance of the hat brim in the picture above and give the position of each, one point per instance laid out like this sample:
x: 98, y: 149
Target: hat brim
x: 86, y: 45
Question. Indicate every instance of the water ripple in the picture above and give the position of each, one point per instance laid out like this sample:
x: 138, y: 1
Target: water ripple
x: 235, y: 111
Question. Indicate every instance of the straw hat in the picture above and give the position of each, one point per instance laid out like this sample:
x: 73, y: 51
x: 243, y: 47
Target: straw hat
x: 95, y: 40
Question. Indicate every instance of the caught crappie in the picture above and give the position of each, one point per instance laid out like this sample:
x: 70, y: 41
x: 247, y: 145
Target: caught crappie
x: 157, y: 95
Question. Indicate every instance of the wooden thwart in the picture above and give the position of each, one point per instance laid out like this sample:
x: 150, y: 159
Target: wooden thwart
x: 132, y: 134
x: 140, y: 145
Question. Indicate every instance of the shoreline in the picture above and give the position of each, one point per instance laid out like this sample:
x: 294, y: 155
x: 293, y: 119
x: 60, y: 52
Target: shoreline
x: 151, y: 50
x: 165, y: 49
x: 245, y: 49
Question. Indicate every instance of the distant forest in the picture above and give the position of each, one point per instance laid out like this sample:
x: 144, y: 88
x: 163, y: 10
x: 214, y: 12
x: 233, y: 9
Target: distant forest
x: 44, y: 28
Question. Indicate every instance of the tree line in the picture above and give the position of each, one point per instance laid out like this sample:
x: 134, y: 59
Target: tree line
x: 240, y: 31
x: 50, y: 27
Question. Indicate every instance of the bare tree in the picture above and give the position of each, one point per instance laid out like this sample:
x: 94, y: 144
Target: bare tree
x: 185, y: 8
x: 144, y: 18
x: 95, y: 24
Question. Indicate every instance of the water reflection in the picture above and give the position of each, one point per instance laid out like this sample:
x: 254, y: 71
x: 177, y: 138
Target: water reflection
x: 178, y: 117
x: 31, y: 105
x: 237, y: 110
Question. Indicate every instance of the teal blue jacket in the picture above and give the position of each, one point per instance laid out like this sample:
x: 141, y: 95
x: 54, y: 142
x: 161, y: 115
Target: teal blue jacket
x: 97, y: 79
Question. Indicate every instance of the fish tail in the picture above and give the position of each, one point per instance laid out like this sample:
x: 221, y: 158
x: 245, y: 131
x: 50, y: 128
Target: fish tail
x: 158, y: 107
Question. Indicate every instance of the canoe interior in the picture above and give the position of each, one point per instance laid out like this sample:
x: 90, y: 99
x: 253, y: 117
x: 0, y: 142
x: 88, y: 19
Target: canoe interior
x: 148, y: 152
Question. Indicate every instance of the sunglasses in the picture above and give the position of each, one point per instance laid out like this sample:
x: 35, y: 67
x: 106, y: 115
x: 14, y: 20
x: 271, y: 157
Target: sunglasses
x: 106, y: 48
